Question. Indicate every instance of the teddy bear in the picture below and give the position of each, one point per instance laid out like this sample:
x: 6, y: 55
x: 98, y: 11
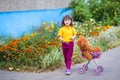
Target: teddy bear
x: 89, y: 52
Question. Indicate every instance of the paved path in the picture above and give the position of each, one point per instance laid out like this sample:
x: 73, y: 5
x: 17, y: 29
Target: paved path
x: 109, y: 60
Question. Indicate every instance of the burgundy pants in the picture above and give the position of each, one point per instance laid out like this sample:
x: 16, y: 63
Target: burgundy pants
x: 67, y: 49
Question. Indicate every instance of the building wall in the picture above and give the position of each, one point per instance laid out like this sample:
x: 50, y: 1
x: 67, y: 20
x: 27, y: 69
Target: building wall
x: 20, y: 16
x: 18, y: 22
x: 15, y: 5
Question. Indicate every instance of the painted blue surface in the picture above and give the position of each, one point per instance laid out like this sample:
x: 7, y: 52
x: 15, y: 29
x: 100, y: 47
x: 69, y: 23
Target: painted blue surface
x: 18, y: 22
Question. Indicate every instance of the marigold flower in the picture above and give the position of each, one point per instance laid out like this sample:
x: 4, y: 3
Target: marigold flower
x: 91, y: 33
x: 104, y: 28
x: 43, y: 36
x: 25, y: 38
x: 1, y: 50
x: 4, y: 56
x: 108, y: 27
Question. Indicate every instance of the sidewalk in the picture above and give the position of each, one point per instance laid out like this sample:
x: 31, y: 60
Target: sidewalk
x: 109, y: 60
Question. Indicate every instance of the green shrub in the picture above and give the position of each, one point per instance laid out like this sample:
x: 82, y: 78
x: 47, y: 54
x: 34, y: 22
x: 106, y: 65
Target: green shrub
x: 107, y: 11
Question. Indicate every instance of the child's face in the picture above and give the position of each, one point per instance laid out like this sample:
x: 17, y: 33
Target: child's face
x: 67, y: 22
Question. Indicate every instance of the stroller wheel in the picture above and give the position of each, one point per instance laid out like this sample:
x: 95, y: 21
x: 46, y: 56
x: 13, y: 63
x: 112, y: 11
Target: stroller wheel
x: 97, y: 72
x: 101, y: 68
x: 81, y: 71
x: 85, y: 67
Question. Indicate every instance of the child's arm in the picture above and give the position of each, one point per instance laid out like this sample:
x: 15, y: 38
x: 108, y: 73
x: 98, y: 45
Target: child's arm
x: 75, y: 33
x: 60, y: 38
x: 73, y: 37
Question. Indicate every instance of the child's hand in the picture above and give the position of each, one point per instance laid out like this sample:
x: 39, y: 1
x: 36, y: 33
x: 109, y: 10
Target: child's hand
x: 72, y: 38
x: 61, y: 39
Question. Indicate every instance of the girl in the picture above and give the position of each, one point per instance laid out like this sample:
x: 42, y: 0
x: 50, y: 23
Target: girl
x: 67, y: 35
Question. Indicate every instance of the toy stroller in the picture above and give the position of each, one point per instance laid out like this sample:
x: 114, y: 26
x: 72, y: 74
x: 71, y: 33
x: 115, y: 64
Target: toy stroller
x: 90, y: 53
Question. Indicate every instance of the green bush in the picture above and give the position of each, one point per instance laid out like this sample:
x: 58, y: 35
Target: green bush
x: 80, y: 10
x: 107, y: 11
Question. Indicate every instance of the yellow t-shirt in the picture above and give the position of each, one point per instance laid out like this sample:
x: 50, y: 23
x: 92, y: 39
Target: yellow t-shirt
x: 66, y: 33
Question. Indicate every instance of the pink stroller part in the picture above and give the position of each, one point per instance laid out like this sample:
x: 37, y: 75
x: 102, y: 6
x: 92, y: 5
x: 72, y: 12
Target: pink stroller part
x: 95, y: 55
x: 98, y: 70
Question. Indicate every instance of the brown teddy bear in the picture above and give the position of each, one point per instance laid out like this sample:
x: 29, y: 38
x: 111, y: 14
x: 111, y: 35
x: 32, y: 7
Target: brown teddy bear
x: 87, y: 50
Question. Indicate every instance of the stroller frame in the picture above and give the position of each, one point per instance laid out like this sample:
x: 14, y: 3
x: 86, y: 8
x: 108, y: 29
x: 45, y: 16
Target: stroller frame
x: 96, y: 72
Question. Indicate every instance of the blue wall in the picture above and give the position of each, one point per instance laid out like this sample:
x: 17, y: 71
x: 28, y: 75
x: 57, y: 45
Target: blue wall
x: 18, y: 22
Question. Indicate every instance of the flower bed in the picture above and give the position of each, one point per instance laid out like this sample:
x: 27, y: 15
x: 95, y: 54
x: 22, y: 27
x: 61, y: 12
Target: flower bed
x: 41, y: 50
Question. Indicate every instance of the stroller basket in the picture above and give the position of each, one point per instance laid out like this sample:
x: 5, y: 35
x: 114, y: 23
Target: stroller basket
x: 95, y: 55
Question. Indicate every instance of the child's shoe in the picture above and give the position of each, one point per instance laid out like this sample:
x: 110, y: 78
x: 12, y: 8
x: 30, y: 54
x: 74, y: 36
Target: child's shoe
x: 68, y: 72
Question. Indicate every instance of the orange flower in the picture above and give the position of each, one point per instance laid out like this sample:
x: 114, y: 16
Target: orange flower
x: 15, y: 57
x: 79, y: 34
x: 91, y: 33
x: 96, y: 34
x: 4, y: 56
x: 25, y: 38
x: 104, y: 28
x: 5, y: 47
x: 12, y: 49
x: 1, y: 50
x: 108, y: 27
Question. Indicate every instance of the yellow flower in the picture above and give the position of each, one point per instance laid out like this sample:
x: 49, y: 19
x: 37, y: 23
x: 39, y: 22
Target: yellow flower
x: 35, y: 34
x: 51, y: 22
x: 17, y: 69
x: 108, y: 27
x: 31, y: 35
x: 53, y: 26
x: 43, y: 36
x: 10, y: 68
x: 44, y: 23
x: 47, y: 28
x: 97, y: 28
x: 49, y: 42
x: 58, y: 28
x: 50, y: 30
